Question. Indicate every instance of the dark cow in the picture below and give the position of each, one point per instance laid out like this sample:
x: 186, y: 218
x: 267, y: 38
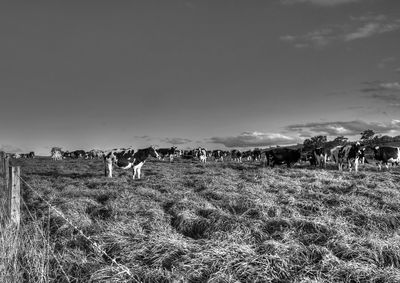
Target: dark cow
x: 170, y: 152
x: 78, y: 154
x: 256, y: 154
x: 236, y: 155
x: 127, y: 158
x: 281, y: 156
x: 385, y: 155
x: 348, y: 154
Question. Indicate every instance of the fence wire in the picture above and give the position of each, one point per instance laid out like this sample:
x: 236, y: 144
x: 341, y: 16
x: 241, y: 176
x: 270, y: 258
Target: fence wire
x: 88, y: 238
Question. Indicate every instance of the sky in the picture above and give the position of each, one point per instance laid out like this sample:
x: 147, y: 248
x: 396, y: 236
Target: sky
x: 214, y: 73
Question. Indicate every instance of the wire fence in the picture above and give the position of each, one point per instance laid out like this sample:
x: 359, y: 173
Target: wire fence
x: 96, y: 246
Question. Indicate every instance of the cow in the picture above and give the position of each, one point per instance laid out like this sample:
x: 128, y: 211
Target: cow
x: 201, y: 153
x: 170, y: 152
x: 348, y: 154
x: 246, y: 155
x: 79, y: 154
x: 256, y: 154
x: 236, y: 155
x: 385, y: 154
x: 127, y: 158
x: 319, y: 156
x: 56, y: 155
x: 95, y: 153
x: 281, y: 156
x: 218, y: 155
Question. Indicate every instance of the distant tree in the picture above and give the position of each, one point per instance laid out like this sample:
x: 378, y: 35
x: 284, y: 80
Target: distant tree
x: 317, y: 141
x: 54, y: 149
x: 340, y: 140
x: 367, y: 136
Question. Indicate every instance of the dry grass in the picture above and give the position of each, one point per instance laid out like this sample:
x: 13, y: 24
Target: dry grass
x: 188, y: 222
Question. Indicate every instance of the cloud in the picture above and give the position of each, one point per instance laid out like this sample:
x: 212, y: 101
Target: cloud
x: 254, y: 139
x: 173, y: 140
x: 10, y: 148
x: 357, y: 28
x: 347, y: 128
x: 379, y: 86
x: 385, y: 62
x: 392, y: 100
x: 370, y: 29
x: 176, y: 140
x: 320, y: 2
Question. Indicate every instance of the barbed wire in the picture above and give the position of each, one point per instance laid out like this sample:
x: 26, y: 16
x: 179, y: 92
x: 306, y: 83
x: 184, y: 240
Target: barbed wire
x: 44, y: 237
x: 88, y: 238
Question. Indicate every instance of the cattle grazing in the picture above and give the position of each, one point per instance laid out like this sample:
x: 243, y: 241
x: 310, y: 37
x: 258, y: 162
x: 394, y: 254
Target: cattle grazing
x: 256, y: 154
x: 349, y: 154
x: 236, y: 155
x: 319, y: 157
x: 201, y: 153
x: 78, y: 154
x: 127, y: 158
x: 169, y: 152
x: 56, y: 155
x: 385, y: 155
x: 281, y: 156
x: 218, y: 155
x: 95, y: 154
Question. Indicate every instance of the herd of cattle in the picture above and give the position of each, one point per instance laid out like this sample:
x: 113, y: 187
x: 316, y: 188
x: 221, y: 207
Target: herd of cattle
x: 349, y: 155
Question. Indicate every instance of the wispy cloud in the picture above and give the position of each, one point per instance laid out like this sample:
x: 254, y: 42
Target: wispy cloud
x: 357, y: 28
x: 169, y: 140
x: 386, y: 61
x: 349, y: 128
x: 379, y: 86
x: 176, y: 140
x: 320, y: 2
x: 254, y: 139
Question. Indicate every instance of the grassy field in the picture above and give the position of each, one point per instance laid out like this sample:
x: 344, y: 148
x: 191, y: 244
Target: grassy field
x: 222, y: 222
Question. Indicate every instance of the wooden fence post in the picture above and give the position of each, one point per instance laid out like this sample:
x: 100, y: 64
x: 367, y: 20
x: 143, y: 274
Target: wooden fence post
x: 1, y: 161
x: 14, y: 195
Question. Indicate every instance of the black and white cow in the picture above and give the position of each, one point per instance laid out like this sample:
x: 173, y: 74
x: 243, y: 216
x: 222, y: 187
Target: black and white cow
x: 236, y: 155
x: 385, y: 155
x: 169, y: 152
x: 201, y: 153
x: 350, y: 154
x: 256, y: 154
x: 218, y: 155
x: 127, y: 158
x: 319, y: 157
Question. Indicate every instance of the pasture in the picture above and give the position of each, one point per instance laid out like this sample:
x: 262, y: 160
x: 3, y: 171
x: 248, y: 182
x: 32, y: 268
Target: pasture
x: 218, y: 222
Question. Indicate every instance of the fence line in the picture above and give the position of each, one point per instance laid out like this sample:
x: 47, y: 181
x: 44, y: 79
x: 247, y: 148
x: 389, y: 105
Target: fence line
x: 88, y: 238
x: 11, y: 194
x: 44, y: 237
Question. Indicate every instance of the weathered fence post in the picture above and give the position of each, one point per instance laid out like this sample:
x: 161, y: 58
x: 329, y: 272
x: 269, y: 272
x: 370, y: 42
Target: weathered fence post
x: 1, y: 161
x: 14, y: 195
